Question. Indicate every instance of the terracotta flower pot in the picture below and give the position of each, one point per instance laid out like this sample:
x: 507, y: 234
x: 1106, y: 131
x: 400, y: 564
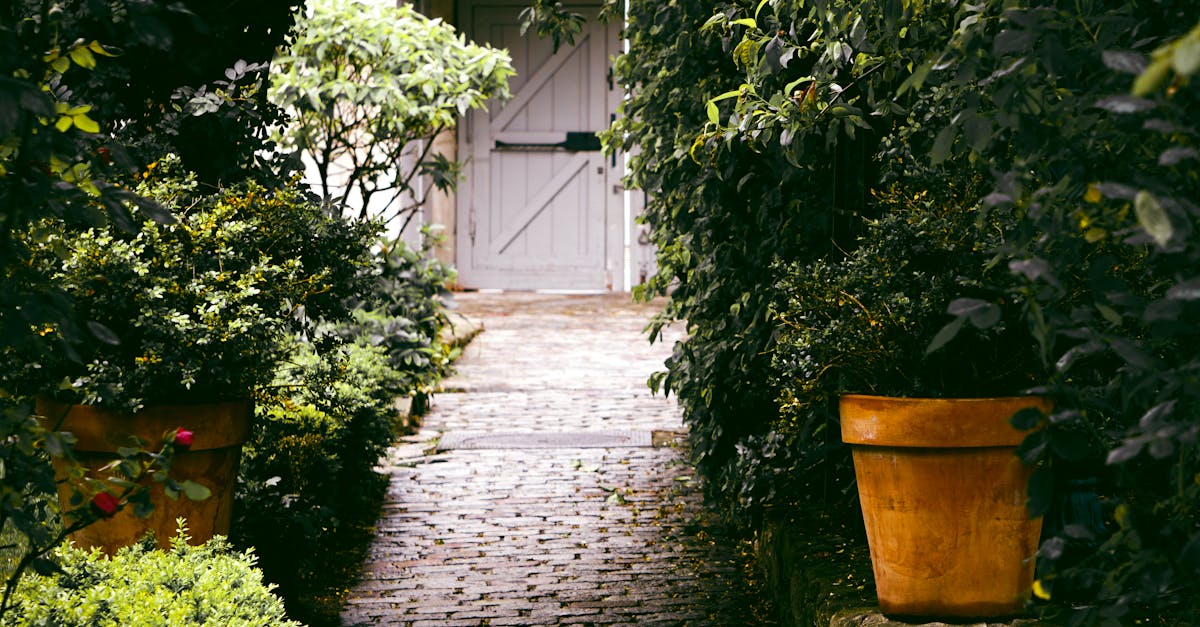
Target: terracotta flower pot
x: 944, y: 500
x: 219, y: 430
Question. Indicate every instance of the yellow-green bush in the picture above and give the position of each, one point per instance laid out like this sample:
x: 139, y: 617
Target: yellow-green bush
x: 209, y: 585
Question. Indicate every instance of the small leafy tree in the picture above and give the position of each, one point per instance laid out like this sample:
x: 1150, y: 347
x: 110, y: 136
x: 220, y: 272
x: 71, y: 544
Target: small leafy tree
x: 369, y: 87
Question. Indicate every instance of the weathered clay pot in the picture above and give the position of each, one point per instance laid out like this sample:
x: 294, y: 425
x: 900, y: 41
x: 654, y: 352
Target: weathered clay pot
x: 211, y: 461
x: 944, y: 500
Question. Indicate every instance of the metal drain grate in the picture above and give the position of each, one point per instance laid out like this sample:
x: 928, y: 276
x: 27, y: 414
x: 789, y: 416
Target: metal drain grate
x: 575, y: 439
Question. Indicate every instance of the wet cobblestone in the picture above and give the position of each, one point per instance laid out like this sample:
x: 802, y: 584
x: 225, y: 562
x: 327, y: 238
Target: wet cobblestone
x: 560, y: 536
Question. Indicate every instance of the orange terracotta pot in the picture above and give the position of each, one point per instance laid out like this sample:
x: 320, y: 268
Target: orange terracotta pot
x: 211, y: 461
x: 944, y: 500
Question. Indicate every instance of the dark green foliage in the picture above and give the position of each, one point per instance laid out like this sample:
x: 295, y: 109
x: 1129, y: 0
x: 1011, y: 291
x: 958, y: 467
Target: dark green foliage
x: 209, y: 585
x: 68, y: 69
x: 163, y: 53
x: 719, y: 227
x: 308, y: 470
x: 325, y: 424
x: 195, y: 309
x: 406, y: 312
x: 1065, y: 132
x: 93, y: 95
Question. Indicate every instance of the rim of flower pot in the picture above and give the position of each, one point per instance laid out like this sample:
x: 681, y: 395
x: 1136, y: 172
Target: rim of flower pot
x: 214, y: 425
x: 899, y: 421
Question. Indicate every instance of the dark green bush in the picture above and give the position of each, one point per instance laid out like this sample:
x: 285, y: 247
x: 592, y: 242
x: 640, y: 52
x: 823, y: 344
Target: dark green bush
x: 193, y: 309
x: 406, y: 313
x: 327, y: 421
x: 209, y: 585
x: 1066, y: 127
x: 308, y: 468
x: 720, y: 223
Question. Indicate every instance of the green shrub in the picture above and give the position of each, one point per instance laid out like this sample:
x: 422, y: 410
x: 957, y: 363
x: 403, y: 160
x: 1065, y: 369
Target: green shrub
x: 208, y: 585
x: 194, y: 309
x: 307, y: 478
x: 719, y: 223
x: 326, y: 422
x: 329, y: 421
x: 1067, y: 129
x: 406, y: 313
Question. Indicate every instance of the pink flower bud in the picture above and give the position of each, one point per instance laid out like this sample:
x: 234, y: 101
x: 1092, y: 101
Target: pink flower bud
x: 183, y: 438
x: 105, y: 504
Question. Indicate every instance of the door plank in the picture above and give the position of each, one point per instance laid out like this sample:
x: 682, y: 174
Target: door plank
x: 546, y: 194
x: 521, y: 100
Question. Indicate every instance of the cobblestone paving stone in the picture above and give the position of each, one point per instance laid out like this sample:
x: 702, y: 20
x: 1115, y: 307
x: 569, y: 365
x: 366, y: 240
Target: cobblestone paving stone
x: 564, y: 536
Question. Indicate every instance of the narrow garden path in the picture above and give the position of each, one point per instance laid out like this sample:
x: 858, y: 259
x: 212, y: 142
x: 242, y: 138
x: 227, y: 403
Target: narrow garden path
x: 557, y: 492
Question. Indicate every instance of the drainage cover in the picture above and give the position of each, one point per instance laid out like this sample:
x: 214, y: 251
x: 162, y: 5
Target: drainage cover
x: 577, y: 439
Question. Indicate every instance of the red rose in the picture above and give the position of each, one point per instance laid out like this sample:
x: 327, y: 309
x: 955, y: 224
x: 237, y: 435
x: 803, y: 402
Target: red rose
x: 105, y: 504
x: 183, y: 438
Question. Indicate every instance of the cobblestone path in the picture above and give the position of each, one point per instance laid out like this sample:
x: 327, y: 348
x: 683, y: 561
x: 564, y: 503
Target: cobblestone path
x: 552, y: 508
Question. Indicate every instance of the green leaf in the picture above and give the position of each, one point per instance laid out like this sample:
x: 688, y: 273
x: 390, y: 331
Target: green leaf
x: 790, y: 88
x: 195, y: 491
x: 985, y: 317
x: 1010, y: 40
x: 946, y: 334
x: 1033, y: 447
x: 1027, y: 419
x: 46, y: 567
x: 966, y: 306
x: 916, y: 79
x: 1109, y: 313
x: 83, y: 57
x: 1133, y: 354
x: 103, y: 333
x: 1152, y: 79
x: 1125, y: 62
x: 1187, y: 56
x: 1125, y: 104
x: 1125, y: 452
x: 1041, y: 491
x: 942, y: 144
x: 97, y: 48
x: 1185, y: 290
x: 1153, y: 218
x: 714, y: 115
x: 54, y: 444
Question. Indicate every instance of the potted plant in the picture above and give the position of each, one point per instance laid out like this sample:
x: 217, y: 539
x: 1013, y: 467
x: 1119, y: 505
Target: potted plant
x: 942, y: 493
x: 187, y: 318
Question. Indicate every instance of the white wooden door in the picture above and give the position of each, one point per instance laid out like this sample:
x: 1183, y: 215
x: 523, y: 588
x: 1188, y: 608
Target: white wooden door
x: 532, y: 215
